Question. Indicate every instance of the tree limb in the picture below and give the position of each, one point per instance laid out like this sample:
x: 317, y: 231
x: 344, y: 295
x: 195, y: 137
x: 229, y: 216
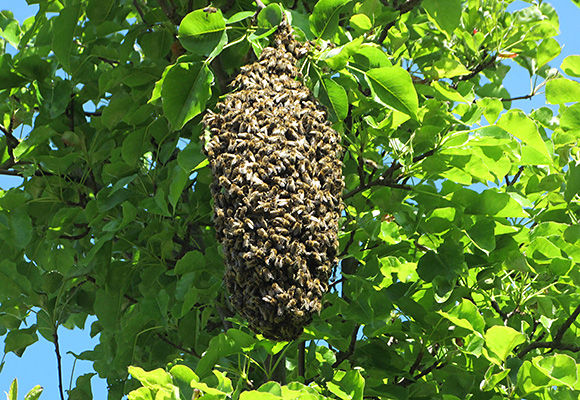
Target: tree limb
x: 555, y: 344
x: 402, y: 9
x: 58, y: 361
x: 164, y: 338
x: 344, y: 355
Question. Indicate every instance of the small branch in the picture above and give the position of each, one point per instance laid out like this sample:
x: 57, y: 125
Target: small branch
x: 479, y: 68
x: 76, y: 237
x: 343, y: 356
x: 402, y: 9
x: 555, y: 344
x: 164, y: 338
x: 139, y: 10
x: 498, y: 310
x: 58, y: 360
x: 386, y: 178
x: 515, y: 178
x: 170, y: 12
x: 302, y: 359
x: 527, y: 96
x: 348, y: 244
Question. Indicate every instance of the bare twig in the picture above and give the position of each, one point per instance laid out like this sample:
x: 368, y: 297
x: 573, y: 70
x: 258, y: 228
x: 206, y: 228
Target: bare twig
x: 479, y: 68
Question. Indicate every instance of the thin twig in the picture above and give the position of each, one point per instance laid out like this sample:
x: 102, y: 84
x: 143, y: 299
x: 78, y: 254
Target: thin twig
x: 515, y: 178
x: 58, y: 361
x: 164, y: 338
x: 344, y: 355
x: 555, y: 344
x: 479, y: 68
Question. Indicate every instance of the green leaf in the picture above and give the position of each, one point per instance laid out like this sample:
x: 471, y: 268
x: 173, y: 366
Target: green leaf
x: 191, y: 158
x: 571, y: 66
x: 570, y: 118
x: 202, y: 31
x: 34, y: 393
x: 255, y: 395
x: 572, y: 181
x: 560, y: 368
x: 338, y: 57
x: 324, y: 18
x: 18, y: 340
x: 9, y: 28
x: 347, y: 385
x: 183, y: 373
x: 560, y: 91
x: 394, y: 88
x: 134, y: 147
x: 185, y: 91
x: 99, y: 11
x: 466, y: 315
x: 270, y: 16
x: 63, y: 31
x: 491, y: 108
x: 445, y: 13
x: 501, y: 340
x: 521, y: 126
x: 446, y: 68
x: 152, y: 379
x: 335, y: 96
x: 547, y: 51
x: 13, y: 392
x: 482, y: 235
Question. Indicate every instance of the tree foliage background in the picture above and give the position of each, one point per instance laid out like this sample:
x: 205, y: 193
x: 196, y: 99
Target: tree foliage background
x: 460, y: 240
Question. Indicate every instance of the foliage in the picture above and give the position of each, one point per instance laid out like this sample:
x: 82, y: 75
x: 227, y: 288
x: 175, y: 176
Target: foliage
x: 460, y: 240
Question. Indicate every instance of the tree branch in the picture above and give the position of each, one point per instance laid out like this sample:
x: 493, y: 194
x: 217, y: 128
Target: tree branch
x: 164, y: 338
x: 479, y: 68
x: 302, y: 359
x: 386, y: 178
x: 555, y: 344
x: 402, y: 9
x: 515, y: 178
x: 344, y: 355
x: 58, y: 360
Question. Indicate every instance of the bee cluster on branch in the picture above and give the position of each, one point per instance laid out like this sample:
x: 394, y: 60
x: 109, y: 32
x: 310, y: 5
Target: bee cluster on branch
x: 277, y: 183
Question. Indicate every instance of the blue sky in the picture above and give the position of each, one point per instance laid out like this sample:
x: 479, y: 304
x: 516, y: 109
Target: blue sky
x: 38, y: 364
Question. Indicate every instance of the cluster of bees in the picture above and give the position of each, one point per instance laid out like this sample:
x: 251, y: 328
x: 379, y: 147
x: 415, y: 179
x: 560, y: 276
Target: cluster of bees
x: 277, y: 183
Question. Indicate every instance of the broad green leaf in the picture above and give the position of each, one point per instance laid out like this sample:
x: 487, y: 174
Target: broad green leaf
x: 185, y: 91
x: 337, y: 58
x: 98, y: 11
x: 521, y: 126
x: 63, y: 32
x: 202, y: 31
x: 394, y: 88
x: 324, y: 18
x: 9, y: 28
x: 336, y: 97
x: 361, y: 23
x: 490, y: 382
x: 240, y: 16
x: 270, y: 16
x: 18, y: 340
x: 347, y: 385
x: 571, y: 66
x: 155, y: 378
x: 560, y: 91
x: 491, y: 108
x: 547, y: 51
x: 488, y: 202
x: 447, y: 93
x: 445, y: 13
x: 560, y: 368
x: 134, y: 146
x: 572, y: 181
x: 446, y: 68
x: 191, y: 157
x: 501, y: 340
x: 482, y: 235
x: 183, y: 373
x: 570, y: 118
x: 466, y: 315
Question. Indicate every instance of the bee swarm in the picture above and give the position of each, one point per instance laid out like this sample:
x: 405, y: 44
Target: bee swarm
x: 277, y: 182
